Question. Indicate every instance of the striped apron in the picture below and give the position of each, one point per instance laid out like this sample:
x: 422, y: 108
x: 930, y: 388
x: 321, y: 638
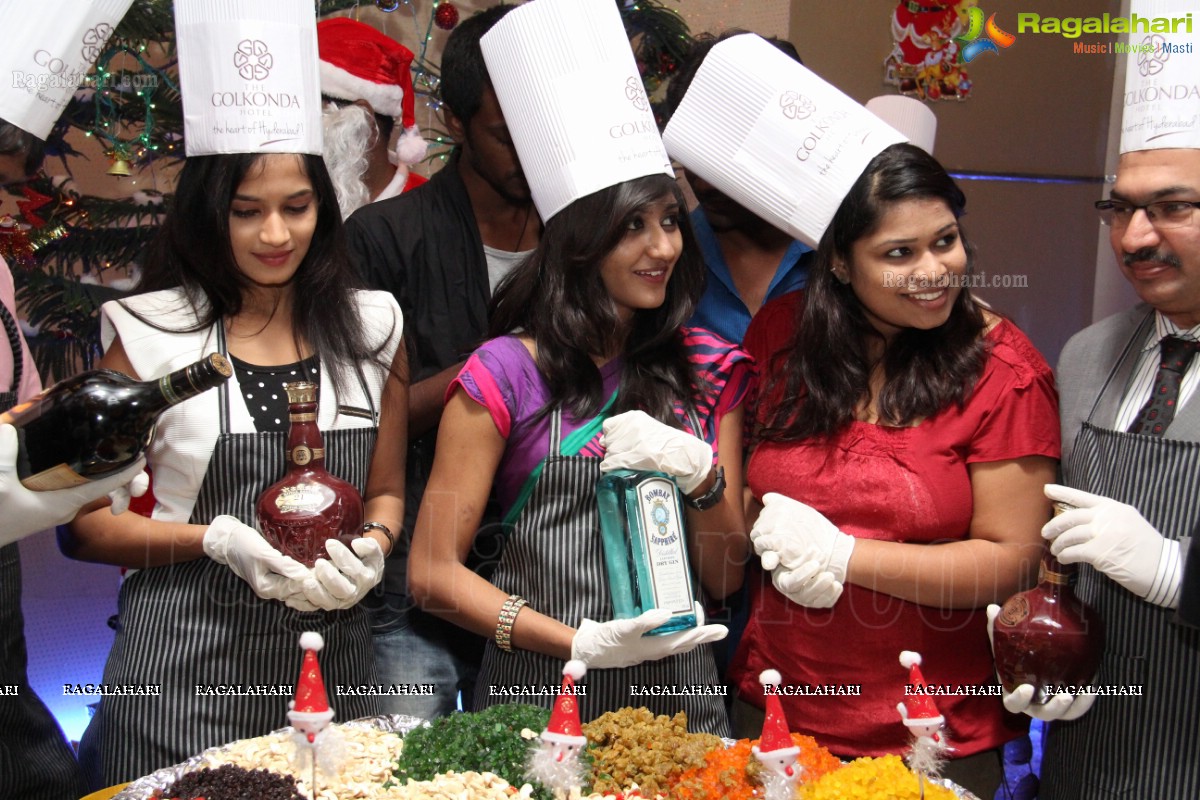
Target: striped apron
x: 195, y: 626
x: 36, y: 763
x: 1148, y: 746
x: 554, y: 558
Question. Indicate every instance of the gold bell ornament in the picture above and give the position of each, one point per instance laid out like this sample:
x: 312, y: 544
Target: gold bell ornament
x: 120, y: 168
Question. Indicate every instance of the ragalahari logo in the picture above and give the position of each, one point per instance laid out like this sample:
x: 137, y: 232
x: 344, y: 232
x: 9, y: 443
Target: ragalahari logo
x: 982, y: 37
x: 253, y: 60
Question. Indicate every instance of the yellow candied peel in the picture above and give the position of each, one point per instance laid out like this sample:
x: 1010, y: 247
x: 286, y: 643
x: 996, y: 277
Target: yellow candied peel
x: 884, y: 778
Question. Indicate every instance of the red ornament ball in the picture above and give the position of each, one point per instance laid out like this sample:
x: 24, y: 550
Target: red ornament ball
x: 445, y: 16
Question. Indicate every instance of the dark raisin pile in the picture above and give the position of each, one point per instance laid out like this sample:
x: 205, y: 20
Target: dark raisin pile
x: 234, y: 783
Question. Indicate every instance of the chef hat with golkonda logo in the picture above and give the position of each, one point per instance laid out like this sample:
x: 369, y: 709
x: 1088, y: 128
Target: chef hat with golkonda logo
x: 46, y: 51
x: 249, y: 75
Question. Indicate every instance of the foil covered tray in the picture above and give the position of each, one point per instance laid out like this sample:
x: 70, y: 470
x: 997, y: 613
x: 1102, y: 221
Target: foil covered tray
x: 148, y: 788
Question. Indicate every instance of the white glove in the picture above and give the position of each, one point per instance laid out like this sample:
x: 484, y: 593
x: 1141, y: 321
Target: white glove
x: 27, y: 512
x: 1063, y: 705
x: 620, y: 642
x: 271, y: 574
x: 636, y: 440
x: 790, y: 534
x: 1115, y: 539
x: 807, y: 585
x: 345, y: 577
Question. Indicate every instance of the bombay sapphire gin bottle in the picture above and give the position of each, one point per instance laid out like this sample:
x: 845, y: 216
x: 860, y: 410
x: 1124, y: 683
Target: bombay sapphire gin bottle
x: 645, y: 546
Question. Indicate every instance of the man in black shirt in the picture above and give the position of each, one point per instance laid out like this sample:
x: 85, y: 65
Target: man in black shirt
x: 440, y: 249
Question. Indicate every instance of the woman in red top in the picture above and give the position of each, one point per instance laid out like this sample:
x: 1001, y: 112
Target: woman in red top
x: 903, y: 437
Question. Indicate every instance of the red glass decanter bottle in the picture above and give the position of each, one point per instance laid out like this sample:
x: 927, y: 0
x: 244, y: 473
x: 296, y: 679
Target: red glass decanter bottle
x: 299, y: 513
x: 1046, y: 636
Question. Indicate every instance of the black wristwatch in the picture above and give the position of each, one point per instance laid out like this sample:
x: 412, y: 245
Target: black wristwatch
x: 712, y: 496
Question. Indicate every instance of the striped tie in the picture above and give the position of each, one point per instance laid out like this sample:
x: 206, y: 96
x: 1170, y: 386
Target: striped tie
x: 1159, y: 410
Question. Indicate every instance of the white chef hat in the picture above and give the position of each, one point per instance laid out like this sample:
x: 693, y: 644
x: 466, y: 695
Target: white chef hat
x: 46, y: 49
x: 573, y: 100
x: 249, y: 75
x: 774, y: 136
x: 1161, y: 100
x: 908, y: 115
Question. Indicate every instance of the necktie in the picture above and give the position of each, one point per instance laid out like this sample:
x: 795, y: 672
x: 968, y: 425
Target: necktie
x: 1159, y: 410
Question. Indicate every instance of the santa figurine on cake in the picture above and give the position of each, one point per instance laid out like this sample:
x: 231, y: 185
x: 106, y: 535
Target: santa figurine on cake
x: 923, y: 720
x: 776, y: 751
x: 555, y: 762
x: 310, y: 714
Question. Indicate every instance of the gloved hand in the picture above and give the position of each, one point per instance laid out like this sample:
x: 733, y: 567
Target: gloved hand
x: 122, y: 495
x: 271, y: 574
x: 1115, y: 539
x: 797, y: 534
x: 620, y: 643
x: 346, y: 576
x: 1063, y: 705
x: 27, y: 512
x: 807, y: 585
x: 636, y: 440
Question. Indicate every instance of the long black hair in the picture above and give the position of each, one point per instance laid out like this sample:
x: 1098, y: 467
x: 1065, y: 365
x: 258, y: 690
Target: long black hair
x: 823, y: 377
x: 557, y: 297
x: 193, y: 251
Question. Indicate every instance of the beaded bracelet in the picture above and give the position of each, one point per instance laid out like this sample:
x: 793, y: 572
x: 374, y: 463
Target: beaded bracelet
x: 504, y: 624
x: 384, y: 529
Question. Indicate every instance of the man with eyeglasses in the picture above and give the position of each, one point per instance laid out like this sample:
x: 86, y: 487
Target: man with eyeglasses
x: 1131, y: 471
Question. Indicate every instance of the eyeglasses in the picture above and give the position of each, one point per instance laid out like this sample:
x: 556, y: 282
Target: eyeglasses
x: 1162, y: 214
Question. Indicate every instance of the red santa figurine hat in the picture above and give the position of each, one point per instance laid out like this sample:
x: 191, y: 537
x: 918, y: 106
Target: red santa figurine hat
x: 311, y: 705
x: 564, y: 727
x: 359, y: 62
x: 919, y: 706
x: 776, y: 741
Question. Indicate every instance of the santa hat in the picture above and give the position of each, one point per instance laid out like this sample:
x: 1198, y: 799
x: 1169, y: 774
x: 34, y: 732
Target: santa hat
x: 919, y: 705
x: 564, y: 727
x: 311, y: 703
x: 359, y: 62
x: 776, y: 741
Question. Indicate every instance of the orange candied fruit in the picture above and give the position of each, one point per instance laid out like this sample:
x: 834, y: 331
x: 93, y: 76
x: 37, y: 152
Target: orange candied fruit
x: 730, y: 772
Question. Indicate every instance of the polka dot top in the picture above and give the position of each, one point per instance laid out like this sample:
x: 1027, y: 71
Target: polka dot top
x: 262, y: 388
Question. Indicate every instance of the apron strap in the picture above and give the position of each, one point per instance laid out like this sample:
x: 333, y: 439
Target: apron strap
x: 223, y: 389
x: 564, y: 447
x: 14, y: 343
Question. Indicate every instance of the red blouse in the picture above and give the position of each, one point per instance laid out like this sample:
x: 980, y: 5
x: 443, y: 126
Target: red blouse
x: 903, y: 485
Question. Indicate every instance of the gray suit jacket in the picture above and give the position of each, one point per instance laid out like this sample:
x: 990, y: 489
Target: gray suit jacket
x: 1110, y: 347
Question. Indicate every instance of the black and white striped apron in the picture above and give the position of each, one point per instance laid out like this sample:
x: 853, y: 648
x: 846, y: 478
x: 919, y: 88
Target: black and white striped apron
x: 1148, y: 746
x: 554, y: 558
x: 195, y: 625
x: 36, y: 763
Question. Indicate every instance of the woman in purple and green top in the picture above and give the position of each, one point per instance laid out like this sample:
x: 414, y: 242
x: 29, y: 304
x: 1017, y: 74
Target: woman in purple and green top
x: 588, y: 348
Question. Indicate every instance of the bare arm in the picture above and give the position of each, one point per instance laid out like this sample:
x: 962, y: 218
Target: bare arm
x: 425, y: 400
x: 469, y: 449
x: 129, y: 539
x: 384, y: 496
x: 719, y: 539
x: 999, y: 557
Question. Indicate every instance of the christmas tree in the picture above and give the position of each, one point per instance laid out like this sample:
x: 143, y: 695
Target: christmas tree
x: 70, y: 252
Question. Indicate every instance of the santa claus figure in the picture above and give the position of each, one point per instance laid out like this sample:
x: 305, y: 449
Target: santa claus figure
x: 922, y: 719
x: 924, y: 59
x: 309, y: 713
x: 776, y: 751
x: 555, y: 762
x: 367, y: 78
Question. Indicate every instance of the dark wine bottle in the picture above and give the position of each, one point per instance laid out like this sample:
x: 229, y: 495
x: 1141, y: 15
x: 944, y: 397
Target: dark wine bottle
x: 309, y: 506
x: 1046, y: 636
x: 98, y: 422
